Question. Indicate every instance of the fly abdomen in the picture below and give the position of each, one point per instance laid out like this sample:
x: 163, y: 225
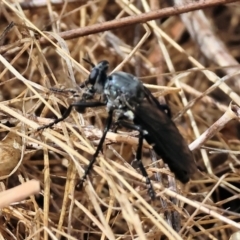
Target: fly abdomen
x: 166, y: 140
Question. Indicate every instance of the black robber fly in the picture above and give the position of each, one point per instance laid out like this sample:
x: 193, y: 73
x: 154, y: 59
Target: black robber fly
x: 134, y: 107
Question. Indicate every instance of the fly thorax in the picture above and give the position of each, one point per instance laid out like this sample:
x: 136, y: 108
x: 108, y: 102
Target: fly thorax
x: 118, y: 113
x: 113, y: 96
x: 114, y: 103
x: 129, y: 114
x: 110, y: 91
x: 145, y: 132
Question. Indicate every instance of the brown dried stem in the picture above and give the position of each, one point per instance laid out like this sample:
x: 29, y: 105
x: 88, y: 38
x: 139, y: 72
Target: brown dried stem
x: 141, y: 18
x: 216, y: 127
x: 19, y: 193
x: 209, y: 43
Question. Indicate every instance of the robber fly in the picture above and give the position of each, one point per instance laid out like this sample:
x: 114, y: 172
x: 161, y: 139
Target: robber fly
x: 134, y: 107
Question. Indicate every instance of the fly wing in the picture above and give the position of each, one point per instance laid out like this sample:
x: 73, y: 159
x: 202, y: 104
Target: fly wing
x: 166, y: 140
x: 153, y: 101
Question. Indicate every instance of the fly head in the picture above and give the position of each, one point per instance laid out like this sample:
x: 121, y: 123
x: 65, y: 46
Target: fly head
x: 98, y: 74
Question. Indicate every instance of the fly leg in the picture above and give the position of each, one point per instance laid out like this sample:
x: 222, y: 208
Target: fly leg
x: 139, y: 154
x: 80, y: 106
x: 99, y: 148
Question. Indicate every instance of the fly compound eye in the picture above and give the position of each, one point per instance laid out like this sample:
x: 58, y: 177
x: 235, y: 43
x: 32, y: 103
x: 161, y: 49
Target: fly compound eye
x: 98, y: 72
x: 103, y: 66
x: 93, y: 76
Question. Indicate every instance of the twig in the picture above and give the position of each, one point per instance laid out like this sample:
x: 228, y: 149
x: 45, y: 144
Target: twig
x: 6, y: 30
x: 19, y: 193
x: 141, y: 18
x: 43, y: 3
x: 232, y: 112
x: 209, y: 44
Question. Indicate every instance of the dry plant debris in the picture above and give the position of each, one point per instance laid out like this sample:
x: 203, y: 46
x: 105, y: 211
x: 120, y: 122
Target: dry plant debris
x: 190, y: 61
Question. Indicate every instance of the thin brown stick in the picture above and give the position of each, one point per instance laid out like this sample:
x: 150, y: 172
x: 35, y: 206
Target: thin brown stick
x: 210, y: 45
x: 36, y: 4
x: 141, y: 18
x: 6, y: 30
x: 19, y: 193
x: 231, y: 113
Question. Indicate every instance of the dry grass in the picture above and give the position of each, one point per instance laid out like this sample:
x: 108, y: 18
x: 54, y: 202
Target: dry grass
x: 114, y: 203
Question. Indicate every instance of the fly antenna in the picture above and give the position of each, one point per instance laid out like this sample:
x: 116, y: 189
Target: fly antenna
x: 88, y: 60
